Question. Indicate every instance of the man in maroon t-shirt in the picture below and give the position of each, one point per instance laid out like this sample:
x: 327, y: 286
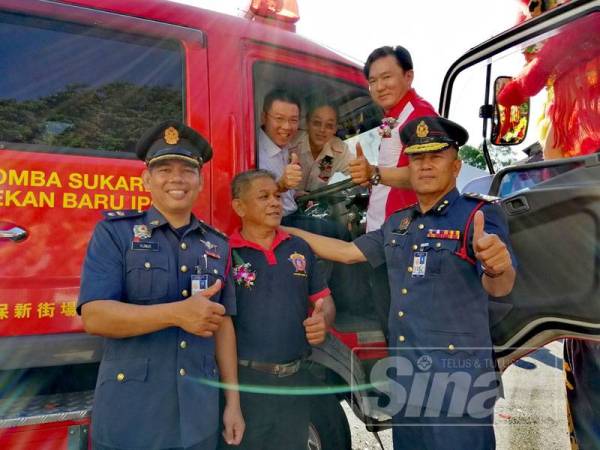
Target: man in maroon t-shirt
x: 390, y: 74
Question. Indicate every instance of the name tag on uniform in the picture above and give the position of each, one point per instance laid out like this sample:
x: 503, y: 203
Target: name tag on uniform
x: 145, y: 245
x: 419, y: 264
x: 199, y: 283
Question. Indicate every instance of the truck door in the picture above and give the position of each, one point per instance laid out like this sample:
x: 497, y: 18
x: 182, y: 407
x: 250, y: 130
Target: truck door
x: 74, y: 98
x: 552, y: 205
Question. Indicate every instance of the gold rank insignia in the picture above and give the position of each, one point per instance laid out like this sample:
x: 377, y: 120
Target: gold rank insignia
x: 422, y: 129
x: 171, y: 136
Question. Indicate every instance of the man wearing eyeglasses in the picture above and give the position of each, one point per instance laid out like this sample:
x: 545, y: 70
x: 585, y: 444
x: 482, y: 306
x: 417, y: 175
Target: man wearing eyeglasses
x: 280, y: 119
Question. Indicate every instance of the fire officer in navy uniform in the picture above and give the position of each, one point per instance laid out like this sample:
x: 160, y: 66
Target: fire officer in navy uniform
x: 155, y: 285
x: 276, y: 281
x: 445, y: 256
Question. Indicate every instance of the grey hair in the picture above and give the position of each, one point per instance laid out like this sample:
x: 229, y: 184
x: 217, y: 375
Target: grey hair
x: 241, y: 182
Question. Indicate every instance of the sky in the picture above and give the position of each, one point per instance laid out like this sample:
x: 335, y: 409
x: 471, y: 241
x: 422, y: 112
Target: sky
x: 436, y: 32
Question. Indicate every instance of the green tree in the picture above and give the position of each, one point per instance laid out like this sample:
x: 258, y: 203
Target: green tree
x: 472, y: 156
x: 501, y: 156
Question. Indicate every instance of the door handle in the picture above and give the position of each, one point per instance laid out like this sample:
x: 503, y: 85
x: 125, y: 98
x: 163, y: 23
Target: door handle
x: 517, y: 205
x: 15, y: 234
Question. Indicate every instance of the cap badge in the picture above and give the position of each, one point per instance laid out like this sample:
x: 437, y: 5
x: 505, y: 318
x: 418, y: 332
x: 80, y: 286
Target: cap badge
x: 171, y: 136
x: 422, y: 129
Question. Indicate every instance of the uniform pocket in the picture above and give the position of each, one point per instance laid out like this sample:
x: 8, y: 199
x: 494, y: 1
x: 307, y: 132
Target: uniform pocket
x: 147, y: 276
x: 439, y: 254
x: 452, y: 342
x: 122, y: 371
x: 394, y: 250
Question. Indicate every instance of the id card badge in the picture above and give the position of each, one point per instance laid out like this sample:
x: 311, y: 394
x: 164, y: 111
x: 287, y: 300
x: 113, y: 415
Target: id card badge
x: 199, y: 283
x: 419, y: 264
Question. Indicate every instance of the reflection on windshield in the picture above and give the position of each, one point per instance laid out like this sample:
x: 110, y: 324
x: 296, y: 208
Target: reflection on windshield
x: 526, y: 178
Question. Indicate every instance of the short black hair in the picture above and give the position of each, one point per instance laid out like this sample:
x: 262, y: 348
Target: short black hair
x: 282, y: 95
x: 400, y: 53
x: 319, y: 102
x: 242, y: 180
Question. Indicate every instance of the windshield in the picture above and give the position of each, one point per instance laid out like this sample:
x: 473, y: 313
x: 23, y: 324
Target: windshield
x: 541, y: 66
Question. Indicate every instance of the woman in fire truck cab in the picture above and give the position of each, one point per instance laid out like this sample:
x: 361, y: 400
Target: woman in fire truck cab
x: 320, y: 152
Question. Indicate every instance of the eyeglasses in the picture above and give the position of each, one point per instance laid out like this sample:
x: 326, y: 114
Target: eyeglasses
x: 280, y: 120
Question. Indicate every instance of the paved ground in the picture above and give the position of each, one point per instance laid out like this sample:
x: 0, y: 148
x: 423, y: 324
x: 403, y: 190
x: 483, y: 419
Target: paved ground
x: 532, y: 416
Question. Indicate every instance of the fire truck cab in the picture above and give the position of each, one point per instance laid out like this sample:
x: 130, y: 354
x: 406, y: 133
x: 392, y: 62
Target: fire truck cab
x: 82, y: 80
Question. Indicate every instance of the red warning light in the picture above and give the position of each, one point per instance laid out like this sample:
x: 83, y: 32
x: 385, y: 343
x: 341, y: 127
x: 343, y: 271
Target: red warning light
x: 283, y: 13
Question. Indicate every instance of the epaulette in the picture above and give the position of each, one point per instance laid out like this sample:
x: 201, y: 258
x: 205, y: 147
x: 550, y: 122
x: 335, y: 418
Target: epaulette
x: 214, y: 230
x: 482, y: 197
x: 122, y: 214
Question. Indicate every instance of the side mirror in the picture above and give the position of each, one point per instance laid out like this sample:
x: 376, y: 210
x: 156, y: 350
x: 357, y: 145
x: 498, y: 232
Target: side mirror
x: 509, y: 124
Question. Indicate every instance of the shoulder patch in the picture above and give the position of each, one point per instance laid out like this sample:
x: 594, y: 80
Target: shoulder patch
x: 214, y: 230
x: 122, y: 214
x: 482, y: 197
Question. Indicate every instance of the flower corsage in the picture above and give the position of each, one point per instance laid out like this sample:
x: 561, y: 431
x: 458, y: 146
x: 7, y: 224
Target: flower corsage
x: 387, y: 124
x: 243, y: 274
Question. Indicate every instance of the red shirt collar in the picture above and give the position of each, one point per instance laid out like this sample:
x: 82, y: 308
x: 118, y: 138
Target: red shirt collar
x: 236, y: 240
x: 398, y: 107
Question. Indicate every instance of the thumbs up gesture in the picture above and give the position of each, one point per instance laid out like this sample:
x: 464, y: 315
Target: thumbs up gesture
x: 292, y: 174
x: 198, y: 314
x: 316, y: 326
x: 359, y: 168
x: 489, y: 249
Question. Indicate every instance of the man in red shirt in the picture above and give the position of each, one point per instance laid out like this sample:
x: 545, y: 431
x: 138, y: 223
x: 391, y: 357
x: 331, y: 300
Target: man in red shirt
x: 390, y: 74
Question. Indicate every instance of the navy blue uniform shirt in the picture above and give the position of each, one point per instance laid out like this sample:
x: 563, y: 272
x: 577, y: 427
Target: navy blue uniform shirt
x: 439, y: 309
x: 147, y: 393
x: 271, y: 309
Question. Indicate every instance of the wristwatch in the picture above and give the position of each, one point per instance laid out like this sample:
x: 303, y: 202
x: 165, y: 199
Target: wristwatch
x: 376, y: 177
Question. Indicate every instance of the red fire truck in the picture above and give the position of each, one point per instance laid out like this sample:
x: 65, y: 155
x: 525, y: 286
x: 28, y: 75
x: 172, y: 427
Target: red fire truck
x: 82, y: 79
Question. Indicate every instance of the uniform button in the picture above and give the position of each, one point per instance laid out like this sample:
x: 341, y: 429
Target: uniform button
x: 401, y: 338
x: 450, y: 347
x: 404, y: 291
x: 421, y: 226
x: 184, y: 268
x: 147, y: 265
x: 415, y: 246
x: 438, y: 244
x: 393, y: 241
x: 400, y: 313
x: 215, y: 271
x: 183, y: 246
x: 185, y: 293
x: 182, y: 372
x: 446, y: 202
x: 183, y: 344
x: 121, y: 377
x: 410, y: 269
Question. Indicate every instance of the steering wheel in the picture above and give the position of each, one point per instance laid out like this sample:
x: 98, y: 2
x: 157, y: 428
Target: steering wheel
x: 326, y: 191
